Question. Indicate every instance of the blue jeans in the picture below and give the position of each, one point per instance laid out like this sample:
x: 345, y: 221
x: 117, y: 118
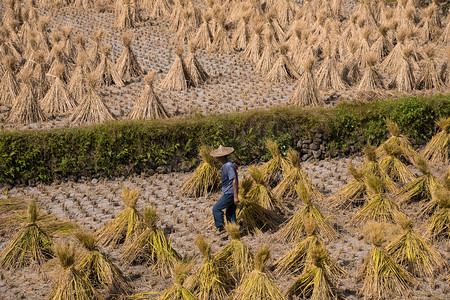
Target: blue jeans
x: 225, y: 202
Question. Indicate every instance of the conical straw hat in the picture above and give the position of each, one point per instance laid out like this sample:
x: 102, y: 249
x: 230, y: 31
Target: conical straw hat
x: 222, y: 151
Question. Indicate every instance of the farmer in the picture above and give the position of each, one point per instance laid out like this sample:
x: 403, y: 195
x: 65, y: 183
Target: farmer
x: 230, y: 186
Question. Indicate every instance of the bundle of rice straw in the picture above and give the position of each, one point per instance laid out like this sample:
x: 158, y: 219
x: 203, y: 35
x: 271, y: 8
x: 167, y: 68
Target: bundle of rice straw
x: 178, y: 291
x: 393, y: 166
x: 30, y: 245
x: 236, y: 256
x: 382, y: 46
x: 178, y: 78
x: 126, y: 226
x: 292, y: 231
x: 241, y: 35
x: 273, y: 26
x: 353, y: 193
x: 439, y: 223
x: 26, y: 108
x: 70, y: 283
x: 94, y: 52
x: 186, y: 31
x: 221, y: 42
x: 253, y: 50
x: 250, y: 215
x: 351, y: 73
x: 403, y: 79
x: 371, y: 79
x: 124, y: 20
x: 9, y: 89
x: 265, y: 62
x: 148, y: 105
x: 59, y: 58
x: 259, y: 284
x: 307, y: 93
x: 152, y: 246
x: 392, y: 61
x: 210, y: 280
x: 423, y: 189
x: 98, y: 268
x: 328, y: 76
x: 273, y: 169
x: 429, y: 78
x: 127, y: 65
x: 161, y: 9
x: 438, y: 148
x: 78, y: 86
x: 397, y: 140
x: 260, y: 191
x: 317, y: 280
x: 105, y: 74
x: 282, y: 69
x: 380, y: 207
x: 383, y: 277
x: 194, y: 68
x: 205, y: 178
x: 69, y: 47
x: 372, y: 167
x: 429, y: 28
x: 91, y: 109
x: 295, y: 260
x: 58, y: 99
x: 204, y: 38
x: 412, y: 252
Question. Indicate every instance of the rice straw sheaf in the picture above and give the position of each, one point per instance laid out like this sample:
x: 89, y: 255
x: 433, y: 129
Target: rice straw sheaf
x: 241, y: 35
x: 221, y: 42
x: 26, y: 108
x: 412, y: 252
x: 58, y: 100
x: 372, y: 167
x: 439, y: 223
x: 124, y: 20
x: 253, y: 50
x: 379, y: 207
x: 151, y: 246
x: 260, y: 191
x: 403, y: 79
x: 295, y: 260
x: 178, y: 78
x: 78, y: 86
x: 148, y: 105
x: 98, y: 269
x: 210, y: 280
x: 266, y: 60
x: 105, y: 74
x: 393, y: 166
x: 354, y: 192
x: 307, y: 94
x: 95, y: 52
x: 30, y: 245
x: 91, y: 109
x: 273, y: 169
x: 258, y: 284
x: 397, y: 140
x: 194, y: 68
x: 430, y: 77
x: 250, y: 215
x: 383, y: 277
x: 127, y: 65
x: 70, y: 283
x: 316, y: 280
x: 9, y: 88
x: 438, y: 148
x: 205, y: 178
x: 203, y: 38
x: 283, y: 69
x: 293, y: 230
x: 178, y: 290
x: 236, y: 256
x: 292, y: 174
x: 126, y: 226
x: 328, y: 76
x: 371, y: 79
x: 422, y: 189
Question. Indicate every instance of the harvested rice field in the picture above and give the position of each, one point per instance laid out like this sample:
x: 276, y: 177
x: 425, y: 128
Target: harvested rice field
x: 371, y: 225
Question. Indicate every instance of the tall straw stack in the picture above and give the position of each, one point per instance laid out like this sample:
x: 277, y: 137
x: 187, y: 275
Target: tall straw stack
x: 265, y: 62
x: 148, y: 105
x: 58, y: 99
x: 221, y: 42
x: 78, y: 86
x: 203, y: 38
x: 9, y: 88
x: 307, y: 93
x: 429, y: 78
x: 328, y: 75
x: 26, y: 108
x: 178, y: 78
x: 241, y: 35
x: 91, y: 109
x: 127, y: 65
x: 124, y: 20
x: 253, y: 50
x: 438, y: 148
x: 94, y: 53
x: 282, y: 69
x: 403, y: 79
x: 194, y: 68
x: 105, y: 74
x: 371, y: 79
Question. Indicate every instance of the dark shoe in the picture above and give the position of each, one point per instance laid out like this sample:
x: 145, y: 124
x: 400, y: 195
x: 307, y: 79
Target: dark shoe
x: 221, y: 229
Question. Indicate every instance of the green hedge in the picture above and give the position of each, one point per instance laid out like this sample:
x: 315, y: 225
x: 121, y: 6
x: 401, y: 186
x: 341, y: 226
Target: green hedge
x: 121, y: 148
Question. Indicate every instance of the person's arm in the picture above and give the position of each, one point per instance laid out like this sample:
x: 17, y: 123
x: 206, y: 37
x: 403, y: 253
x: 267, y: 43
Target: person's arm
x: 236, y: 191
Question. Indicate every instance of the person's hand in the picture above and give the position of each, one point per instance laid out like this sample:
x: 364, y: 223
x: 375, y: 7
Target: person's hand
x: 236, y: 200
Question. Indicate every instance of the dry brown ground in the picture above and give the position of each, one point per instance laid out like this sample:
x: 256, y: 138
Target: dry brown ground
x: 93, y: 203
